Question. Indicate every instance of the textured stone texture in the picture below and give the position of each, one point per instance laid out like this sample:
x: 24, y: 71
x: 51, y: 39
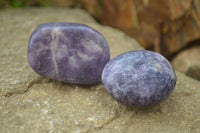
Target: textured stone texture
x: 188, y: 62
x: 31, y: 103
x: 68, y: 52
x: 139, y: 78
x: 55, y: 107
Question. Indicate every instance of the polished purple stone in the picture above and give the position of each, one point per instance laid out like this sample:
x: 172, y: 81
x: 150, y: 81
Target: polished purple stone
x: 68, y: 52
x: 139, y: 78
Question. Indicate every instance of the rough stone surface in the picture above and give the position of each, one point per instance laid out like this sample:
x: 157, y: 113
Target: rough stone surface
x: 31, y: 103
x: 55, y: 107
x: 188, y: 62
x: 139, y: 78
x: 68, y: 52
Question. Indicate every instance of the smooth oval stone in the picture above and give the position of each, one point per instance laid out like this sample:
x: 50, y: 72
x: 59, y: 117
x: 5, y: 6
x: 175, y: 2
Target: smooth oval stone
x: 68, y: 52
x: 139, y: 78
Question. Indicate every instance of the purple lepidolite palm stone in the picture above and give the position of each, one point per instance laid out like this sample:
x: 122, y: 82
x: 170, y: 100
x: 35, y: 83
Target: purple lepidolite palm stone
x: 68, y: 52
x: 139, y: 78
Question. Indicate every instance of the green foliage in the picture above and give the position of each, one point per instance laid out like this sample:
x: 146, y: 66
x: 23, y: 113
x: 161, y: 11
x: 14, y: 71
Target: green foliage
x: 23, y: 3
x: 17, y: 4
x: 44, y: 3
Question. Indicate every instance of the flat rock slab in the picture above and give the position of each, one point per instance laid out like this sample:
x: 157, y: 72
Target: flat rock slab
x: 31, y: 103
x: 56, y: 107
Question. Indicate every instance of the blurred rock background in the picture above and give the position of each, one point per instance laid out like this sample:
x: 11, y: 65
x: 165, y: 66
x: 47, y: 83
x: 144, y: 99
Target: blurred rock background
x: 164, y: 26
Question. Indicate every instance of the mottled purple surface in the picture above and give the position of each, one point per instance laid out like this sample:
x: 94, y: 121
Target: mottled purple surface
x: 68, y: 52
x: 139, y: 78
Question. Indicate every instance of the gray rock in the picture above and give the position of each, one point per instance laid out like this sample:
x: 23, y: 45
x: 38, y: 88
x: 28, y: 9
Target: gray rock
x: 31, y: 103
x: 188, y: 62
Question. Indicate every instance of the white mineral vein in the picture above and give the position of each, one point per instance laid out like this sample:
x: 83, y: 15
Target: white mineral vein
x: 53, y: 47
